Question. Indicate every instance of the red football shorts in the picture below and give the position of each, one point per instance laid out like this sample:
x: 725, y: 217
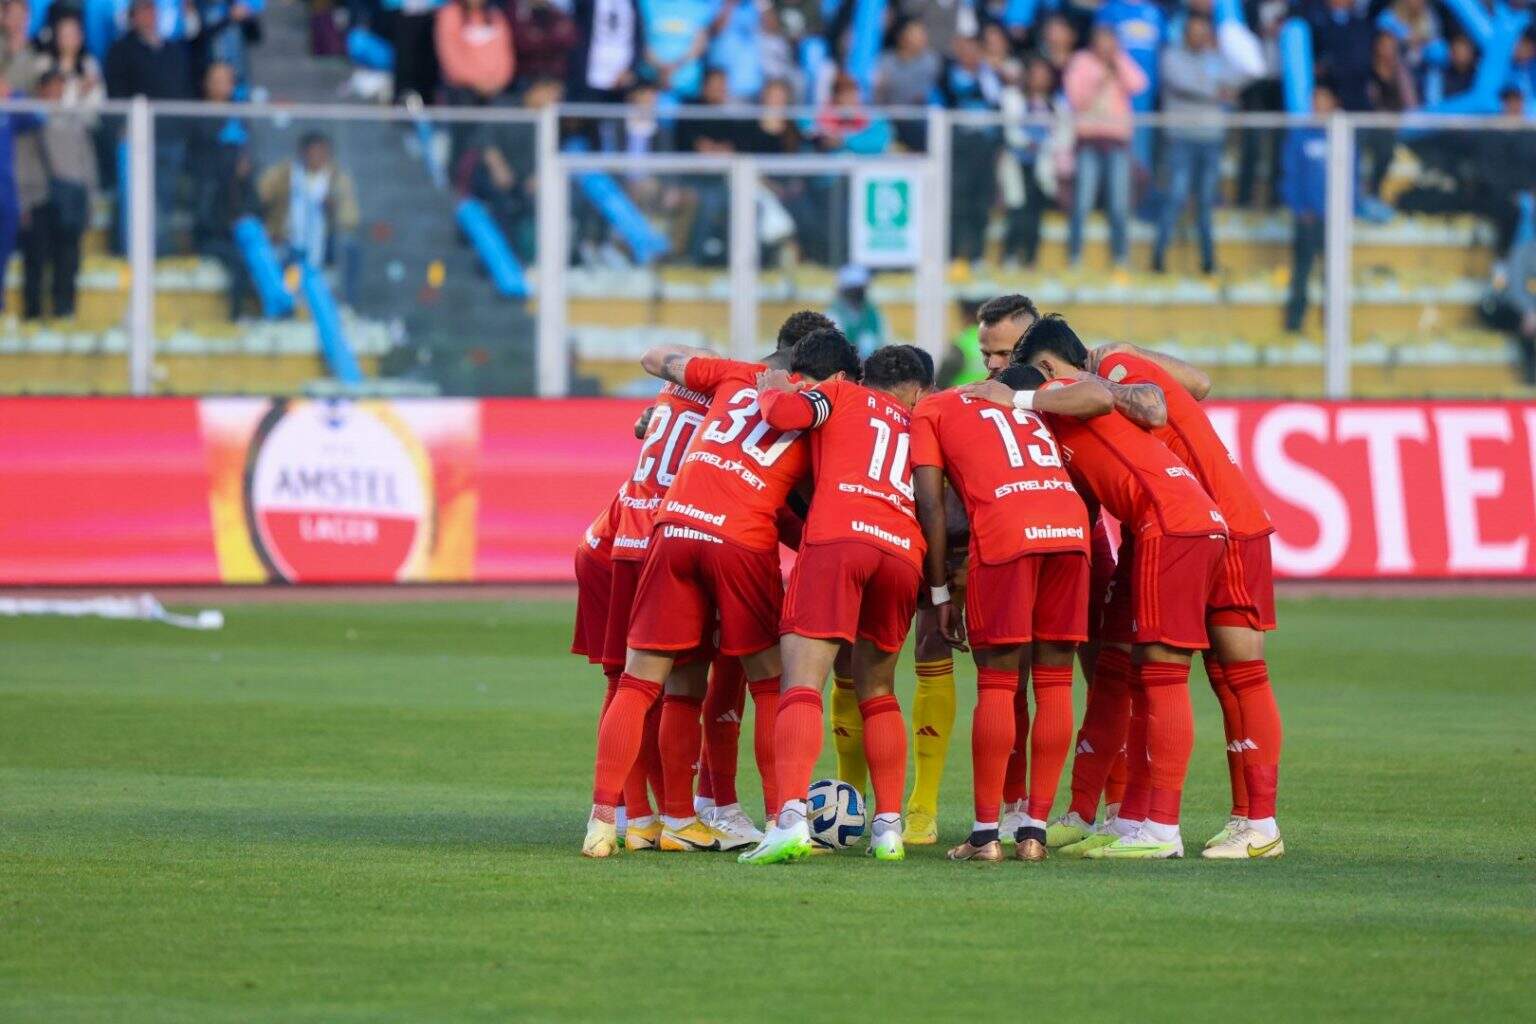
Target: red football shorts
x: 621, y: 602
x: 689, y: 577
x: 1101, y: 570
x: 849, y: 590
x: 1033, y: 597
x: 1245, y: 595
x: 593, y: 575
x: 1162, y: 589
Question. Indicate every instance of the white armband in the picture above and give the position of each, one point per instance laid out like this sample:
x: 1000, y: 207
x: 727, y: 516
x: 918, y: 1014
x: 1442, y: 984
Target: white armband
x: 940, y: 595
x: 1024, y: 400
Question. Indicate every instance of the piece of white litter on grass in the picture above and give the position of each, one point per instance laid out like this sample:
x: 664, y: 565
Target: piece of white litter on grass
x: 143, y: 608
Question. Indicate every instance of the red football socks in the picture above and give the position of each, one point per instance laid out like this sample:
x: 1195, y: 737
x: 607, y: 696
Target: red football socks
x: 1232, y: 728
x: 1262, y: 734
x: 1016, y: 777
x: 885, y: 748
x: 620, y: 735
x: 1170, y: 736
x: 1138, y: 780
x: 679, y: 742
x: 1103, y: 735
x: 1050, y: 735
x: 992, y: 738
x: 646, y: 770
x: 796, y: 742
x: 723, y: 705
x: 1114, y: 786
x: 608, y: 692
x: 765, y: 703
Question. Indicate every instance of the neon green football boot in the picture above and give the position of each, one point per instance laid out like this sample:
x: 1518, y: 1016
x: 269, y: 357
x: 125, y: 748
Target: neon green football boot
x: 781, y: 846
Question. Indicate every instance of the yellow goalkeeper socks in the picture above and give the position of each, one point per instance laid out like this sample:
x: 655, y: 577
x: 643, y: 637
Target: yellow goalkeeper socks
x: 933, y: 719
x: 848, y: 734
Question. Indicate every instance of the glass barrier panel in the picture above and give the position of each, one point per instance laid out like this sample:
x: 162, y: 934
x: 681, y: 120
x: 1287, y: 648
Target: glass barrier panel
x: 63, y: 328
x: 1441, y: 233
x: 649, y: 266
x: 1174, y: 238
x: 808, y: 260
x: 300, y: 254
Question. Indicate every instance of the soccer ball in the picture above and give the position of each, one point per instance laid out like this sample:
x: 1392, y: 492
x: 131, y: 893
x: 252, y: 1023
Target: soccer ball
x: 836, y: 814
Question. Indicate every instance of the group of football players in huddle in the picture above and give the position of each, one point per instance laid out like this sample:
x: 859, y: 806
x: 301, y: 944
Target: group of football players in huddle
x: 985, y: 511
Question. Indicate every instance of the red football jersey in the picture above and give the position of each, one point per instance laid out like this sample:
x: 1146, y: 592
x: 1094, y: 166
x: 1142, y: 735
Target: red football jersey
x: 1134, y: 475
x: 738, y: 470
x: 1007, y: 467
x: 1189, y: 435
x: 860, y: 443
x: 599, y: 536
x: 677, y: 414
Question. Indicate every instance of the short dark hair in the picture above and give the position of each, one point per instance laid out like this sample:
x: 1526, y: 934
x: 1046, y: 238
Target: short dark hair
x: 309, y: 139
x: 1054, y: 335
x: 1021, y: 377
x: 895, y: 365
x: 798, y: 325
x: 824, y: 352
x: 1006, y: 307
x: 927, y: 359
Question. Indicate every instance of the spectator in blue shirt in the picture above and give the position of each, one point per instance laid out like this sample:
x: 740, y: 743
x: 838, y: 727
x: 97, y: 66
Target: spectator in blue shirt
x: 736, y: 49
x: 1304, y: 187
x: 677, y: 33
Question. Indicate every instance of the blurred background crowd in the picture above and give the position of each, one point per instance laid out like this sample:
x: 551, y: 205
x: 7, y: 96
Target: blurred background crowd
x: 1049, y: 90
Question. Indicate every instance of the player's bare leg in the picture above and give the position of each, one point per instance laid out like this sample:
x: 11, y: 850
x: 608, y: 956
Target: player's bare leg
x: 993, y: 740
x: 1239, y: 650
x: 885, y: 744
x: 1160, y: 739
x: 618, y: 743
x: 797, y: 744
x: 933, y: 722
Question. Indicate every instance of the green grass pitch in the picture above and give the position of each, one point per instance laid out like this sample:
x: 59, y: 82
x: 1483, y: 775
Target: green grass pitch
x: 372, y: 813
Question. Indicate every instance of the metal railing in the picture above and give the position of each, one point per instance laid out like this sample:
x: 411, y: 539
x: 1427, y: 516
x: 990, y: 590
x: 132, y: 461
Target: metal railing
x: 551, y: 346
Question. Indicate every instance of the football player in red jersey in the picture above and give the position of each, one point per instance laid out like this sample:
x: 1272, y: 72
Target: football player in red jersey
x: 714, y: 553
x: 725, y: 702
x: 670, y: 426
x: 857, y: 575
x: 1174, y: 542
x: 1027, y: 587
x: 1000, y: 322
x: 1243, y: 608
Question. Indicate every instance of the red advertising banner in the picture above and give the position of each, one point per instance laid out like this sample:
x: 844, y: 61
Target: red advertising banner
x: 140, y: 491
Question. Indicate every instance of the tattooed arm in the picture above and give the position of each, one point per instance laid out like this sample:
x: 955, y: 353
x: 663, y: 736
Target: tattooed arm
x: 1142, y: 404
x: 667, y: 361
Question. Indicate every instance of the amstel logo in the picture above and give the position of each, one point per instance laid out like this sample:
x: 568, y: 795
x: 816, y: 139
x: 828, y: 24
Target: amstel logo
x: 338, y: 491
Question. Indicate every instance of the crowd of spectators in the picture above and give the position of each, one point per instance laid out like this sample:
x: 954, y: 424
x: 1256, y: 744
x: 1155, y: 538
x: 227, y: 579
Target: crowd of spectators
x: 1068, y: 75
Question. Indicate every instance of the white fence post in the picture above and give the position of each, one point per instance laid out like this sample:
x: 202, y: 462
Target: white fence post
x: 743, y: 183
x: 552, y: 365
x: 931, y: 286
x: 140, y: 198
x: 1338, y: 287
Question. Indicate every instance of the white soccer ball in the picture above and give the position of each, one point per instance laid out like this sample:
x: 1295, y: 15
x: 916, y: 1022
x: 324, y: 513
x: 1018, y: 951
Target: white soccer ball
x: 835, y: 811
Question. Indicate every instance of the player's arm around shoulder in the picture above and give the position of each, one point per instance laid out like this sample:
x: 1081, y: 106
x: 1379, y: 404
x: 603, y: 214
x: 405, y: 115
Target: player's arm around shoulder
x: 1189, y: 377
x: 1080, y: 399
x: 670, y: 362
x: 786, y: 406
